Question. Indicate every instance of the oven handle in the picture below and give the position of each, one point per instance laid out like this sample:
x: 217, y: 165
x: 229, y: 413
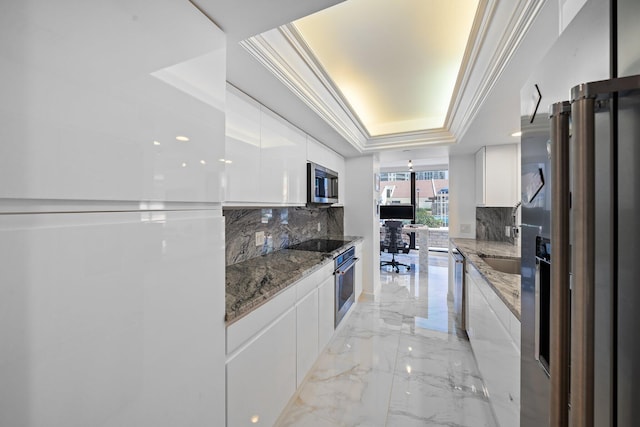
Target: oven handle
x: 344, y: 268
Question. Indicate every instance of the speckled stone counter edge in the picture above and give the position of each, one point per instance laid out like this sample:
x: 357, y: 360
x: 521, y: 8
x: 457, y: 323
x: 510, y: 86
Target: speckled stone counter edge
x: 265, y: 288
x: 506, y: 286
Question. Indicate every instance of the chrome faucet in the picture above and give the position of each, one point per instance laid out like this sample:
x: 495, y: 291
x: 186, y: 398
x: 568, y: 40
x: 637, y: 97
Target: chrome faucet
x: 515, y: 229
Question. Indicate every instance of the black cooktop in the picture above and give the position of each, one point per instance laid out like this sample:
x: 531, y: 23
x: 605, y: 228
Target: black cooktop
x: 319, y: 245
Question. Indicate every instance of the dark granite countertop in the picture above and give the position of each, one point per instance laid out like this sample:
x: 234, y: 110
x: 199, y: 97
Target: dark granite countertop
x: 506, y: 286
x: 251, y: 283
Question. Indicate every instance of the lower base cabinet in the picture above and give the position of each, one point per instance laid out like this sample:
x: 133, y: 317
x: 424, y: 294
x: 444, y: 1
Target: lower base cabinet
x: 495, y: 348
x: 326, y: 312
x: 262, y: 377
x: 307, y: 334
x: 271, y: 350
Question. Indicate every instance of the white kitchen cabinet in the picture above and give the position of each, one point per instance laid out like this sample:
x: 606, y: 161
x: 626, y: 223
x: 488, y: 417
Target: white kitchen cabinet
x: 283, y: 173
x: 242, y: 148
x: 272, y: 349
x: 93, y: 102
x: 326, y: 311
x: 249, y: 326
x: 324, y: 156
x: 481, y: 182
x: 306, y: 334
x: 498, y: 176
x: 498, y: 354
x: 265, y: 156
x: 104, y: 317
x: 262, y: 378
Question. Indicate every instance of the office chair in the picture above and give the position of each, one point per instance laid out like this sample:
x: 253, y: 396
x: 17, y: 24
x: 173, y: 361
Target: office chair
x: 394, y: 244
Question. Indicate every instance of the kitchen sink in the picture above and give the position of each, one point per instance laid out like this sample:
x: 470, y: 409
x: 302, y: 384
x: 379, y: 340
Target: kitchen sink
x: 504, y: 265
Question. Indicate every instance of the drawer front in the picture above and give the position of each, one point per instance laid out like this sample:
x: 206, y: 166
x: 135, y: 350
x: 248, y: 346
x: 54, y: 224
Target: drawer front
x: 247, y: 327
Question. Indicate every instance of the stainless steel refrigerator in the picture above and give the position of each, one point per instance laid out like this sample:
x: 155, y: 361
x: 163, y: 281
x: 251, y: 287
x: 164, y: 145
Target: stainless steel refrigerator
x: 580, y: 146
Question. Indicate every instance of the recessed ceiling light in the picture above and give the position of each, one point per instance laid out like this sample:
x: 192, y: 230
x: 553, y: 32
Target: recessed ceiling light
x: 182, y: 138
x: 203, y: 162
x: 221, y: 160
x: 156, y: 143
x: 228, y: 161
x: 516, y: 134
x: 184, y: 165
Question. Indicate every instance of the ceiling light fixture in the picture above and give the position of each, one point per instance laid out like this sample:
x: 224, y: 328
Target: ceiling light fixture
x: 182, y: 138
x: 156, y: 143
x: 203, y: 162
x: 516, y: 134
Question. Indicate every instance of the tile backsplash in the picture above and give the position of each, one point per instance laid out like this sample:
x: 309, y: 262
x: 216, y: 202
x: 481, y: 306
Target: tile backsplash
x: 491, y: 223
x: 281, y: 226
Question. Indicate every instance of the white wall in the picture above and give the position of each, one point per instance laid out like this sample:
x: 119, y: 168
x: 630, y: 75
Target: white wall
x: 462, y: 201
x: 360, y: 218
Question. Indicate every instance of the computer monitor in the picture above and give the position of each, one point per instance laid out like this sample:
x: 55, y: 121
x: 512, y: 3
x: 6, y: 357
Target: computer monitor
x: 396, y: 212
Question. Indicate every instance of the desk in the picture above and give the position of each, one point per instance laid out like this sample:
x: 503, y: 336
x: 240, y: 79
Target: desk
x: 422, y: 232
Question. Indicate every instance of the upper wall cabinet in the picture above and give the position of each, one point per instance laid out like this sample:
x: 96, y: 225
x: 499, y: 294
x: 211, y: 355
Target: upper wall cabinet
x: 265, y: 156
x: 324, y: 156
x: 283, y: 174
x: 242, y: 149
x: 111, y: 101
x: 498, y: 175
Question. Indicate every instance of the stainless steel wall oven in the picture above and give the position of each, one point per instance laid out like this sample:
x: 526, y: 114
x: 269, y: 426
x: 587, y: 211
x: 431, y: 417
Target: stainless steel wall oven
x: 344, y: 282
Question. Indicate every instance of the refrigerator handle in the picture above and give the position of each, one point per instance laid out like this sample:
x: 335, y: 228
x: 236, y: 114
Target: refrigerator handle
x: 583, y: 302
x: 583, y: 99
x: 560, y: 305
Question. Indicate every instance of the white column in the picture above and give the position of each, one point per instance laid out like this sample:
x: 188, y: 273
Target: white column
x: 361, y: 219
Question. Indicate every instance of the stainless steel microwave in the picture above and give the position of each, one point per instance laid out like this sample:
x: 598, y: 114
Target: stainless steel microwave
x: 322, y: 185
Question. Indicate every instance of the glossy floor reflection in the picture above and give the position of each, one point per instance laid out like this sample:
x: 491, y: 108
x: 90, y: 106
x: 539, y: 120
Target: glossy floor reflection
x: 397, y: 361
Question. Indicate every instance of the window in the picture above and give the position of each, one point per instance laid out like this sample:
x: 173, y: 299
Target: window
x: 395, y: 176
x: 428, y: 175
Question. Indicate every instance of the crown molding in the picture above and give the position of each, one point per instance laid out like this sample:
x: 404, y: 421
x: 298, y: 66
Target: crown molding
x: 410, y: 140
x: 519, y: 23
x: 484, y: 16
x: 284, y: 53
x: 311, y: 90
x: 299, y: 44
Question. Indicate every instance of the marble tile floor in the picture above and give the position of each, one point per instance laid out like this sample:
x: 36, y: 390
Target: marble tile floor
x: 397, y: 361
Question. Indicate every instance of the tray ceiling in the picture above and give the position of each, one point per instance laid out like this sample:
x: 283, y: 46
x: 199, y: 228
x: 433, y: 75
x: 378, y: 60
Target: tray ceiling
x: 323, y: 109
x: 395, y: 64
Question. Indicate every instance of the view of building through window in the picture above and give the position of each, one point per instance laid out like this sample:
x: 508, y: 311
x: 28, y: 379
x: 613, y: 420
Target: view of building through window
x: 431, y: 197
